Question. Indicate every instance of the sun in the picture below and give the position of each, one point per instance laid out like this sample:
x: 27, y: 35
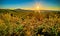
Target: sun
x: 37, y: 7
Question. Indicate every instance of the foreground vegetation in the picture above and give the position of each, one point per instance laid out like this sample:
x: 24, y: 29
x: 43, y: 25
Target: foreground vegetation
x: 29, y: 23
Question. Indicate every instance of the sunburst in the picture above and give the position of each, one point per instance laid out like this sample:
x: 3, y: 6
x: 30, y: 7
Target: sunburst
x: 37, y: 7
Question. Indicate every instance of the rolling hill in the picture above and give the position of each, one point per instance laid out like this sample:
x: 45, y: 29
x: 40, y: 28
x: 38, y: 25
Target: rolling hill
x: 21, y: 22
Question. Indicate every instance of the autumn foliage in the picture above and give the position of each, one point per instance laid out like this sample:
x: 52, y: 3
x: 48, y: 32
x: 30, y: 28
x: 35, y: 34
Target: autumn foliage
x: 18, y: 23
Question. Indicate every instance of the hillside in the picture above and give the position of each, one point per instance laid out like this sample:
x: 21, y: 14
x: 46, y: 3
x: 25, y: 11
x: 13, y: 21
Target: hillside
x: 20, y: 22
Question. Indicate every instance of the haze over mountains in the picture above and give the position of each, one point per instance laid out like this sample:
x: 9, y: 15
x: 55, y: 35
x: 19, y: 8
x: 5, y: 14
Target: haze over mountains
x: 22, y: 10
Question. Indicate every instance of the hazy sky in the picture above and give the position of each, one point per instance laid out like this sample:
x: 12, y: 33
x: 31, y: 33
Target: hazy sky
x: 51, y: 4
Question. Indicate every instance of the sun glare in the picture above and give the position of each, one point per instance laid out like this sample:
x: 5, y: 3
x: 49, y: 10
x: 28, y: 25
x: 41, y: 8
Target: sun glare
x: 37, y: 7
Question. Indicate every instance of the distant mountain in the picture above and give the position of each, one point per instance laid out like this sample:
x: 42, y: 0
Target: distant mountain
x: 22, y: 10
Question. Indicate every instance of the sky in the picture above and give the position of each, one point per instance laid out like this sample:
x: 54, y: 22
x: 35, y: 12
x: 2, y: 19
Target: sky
x: 29, y: 4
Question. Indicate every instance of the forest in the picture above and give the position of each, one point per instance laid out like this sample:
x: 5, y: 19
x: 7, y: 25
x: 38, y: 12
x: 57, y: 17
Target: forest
x: 20, y: 22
